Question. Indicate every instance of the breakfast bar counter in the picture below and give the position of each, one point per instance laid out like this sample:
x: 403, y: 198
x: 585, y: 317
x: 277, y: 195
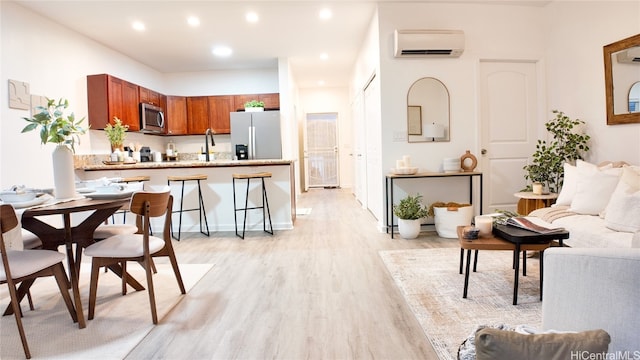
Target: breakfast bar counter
x: 217, y: 189
x: 185, y: 164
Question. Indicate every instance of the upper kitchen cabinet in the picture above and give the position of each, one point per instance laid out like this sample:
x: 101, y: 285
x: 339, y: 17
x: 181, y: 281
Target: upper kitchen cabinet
x: 176, y: 115
x: 271, y: 101
x: 220, y: 108
x: 109, y: 96
x: 197, y: 114
x: 149, y: 96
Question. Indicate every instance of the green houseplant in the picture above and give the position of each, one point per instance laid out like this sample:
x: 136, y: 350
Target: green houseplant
x: 254, y: 105
x: 409, y: 212
x: 55, y: 126
x: 569, y: 143
x: 64, y: 130
x: 116, y: 133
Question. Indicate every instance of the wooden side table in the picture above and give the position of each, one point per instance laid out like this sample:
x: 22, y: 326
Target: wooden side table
x: 529, y: 201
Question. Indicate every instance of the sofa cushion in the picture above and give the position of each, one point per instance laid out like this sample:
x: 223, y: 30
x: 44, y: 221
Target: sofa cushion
x: 623, y: 210
x: 594, y: 191
x: 572, y: 174
x: 500, y: 344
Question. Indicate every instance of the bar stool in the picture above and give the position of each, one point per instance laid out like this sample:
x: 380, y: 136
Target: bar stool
x: 127, y: 180
x: 265, y: 202
x: 201, y: 211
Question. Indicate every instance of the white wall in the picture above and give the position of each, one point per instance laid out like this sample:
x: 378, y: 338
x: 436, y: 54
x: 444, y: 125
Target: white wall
x: 564, y: 37
x: 575, y: 35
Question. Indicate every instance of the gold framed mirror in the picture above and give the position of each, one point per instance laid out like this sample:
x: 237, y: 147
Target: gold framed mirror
x: 428, y: 111
x: 621, y: 73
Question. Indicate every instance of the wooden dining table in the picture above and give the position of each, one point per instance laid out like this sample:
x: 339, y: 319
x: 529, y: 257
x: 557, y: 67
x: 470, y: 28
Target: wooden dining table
x: 80, y: 234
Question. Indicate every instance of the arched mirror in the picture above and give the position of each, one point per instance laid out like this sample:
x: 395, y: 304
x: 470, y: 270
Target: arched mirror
x: 634, y: 98
x: 428, y: 111
x: 622, y: 78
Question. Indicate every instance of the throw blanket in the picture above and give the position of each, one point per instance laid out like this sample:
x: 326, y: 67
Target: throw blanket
x: 551, y: 214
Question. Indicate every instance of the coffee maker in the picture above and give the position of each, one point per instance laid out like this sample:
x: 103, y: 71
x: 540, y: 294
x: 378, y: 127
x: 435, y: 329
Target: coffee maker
x: 242, y: 152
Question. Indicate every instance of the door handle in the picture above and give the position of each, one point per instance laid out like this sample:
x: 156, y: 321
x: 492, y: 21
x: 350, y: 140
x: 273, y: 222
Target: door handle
x: 483, y: 151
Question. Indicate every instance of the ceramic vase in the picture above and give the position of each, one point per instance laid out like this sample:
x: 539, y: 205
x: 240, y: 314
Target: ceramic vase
x: 63, y: 174
x: 409, y: 229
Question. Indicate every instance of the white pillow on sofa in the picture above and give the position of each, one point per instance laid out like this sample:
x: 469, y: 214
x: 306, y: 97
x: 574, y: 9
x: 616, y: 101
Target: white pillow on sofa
x: 623, y: 210
x: 571, y: 176
x: 594, y: 191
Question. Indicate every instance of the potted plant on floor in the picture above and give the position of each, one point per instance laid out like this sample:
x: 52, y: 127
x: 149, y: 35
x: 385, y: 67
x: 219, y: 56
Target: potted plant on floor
x: 64, y: 130
x: 254, y: 106
x: 568, y: 145
x: 448, y: 216
x: 409, y: 212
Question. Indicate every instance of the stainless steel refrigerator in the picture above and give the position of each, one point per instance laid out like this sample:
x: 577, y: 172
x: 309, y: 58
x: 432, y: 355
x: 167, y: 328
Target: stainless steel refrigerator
x: 259, y: 131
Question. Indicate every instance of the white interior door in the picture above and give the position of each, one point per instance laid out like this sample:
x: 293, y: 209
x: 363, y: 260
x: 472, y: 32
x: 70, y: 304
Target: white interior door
x: 509, y: 117
x: 373, y: 133
x: 359, y: 154
x: 322, y: 150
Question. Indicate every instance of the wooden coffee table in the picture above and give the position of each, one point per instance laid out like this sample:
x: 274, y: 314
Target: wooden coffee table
x: 511, y: 239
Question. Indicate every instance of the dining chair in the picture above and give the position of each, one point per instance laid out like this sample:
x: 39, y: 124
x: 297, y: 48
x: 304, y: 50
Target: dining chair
x: 24, y: 267
x: 140, y: 247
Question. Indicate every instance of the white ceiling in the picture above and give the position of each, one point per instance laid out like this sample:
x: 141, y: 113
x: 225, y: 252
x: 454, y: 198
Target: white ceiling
x: 286, y: 29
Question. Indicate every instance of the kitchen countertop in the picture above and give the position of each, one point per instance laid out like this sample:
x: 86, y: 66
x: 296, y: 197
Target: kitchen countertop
x: 186, y: 164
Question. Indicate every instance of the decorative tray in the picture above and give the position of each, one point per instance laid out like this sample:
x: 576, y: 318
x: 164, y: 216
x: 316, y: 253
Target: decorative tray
x: 405, y: 171
x: 119, y: 162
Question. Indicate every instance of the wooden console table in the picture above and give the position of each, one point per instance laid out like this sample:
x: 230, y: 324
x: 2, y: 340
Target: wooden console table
x: 389, y: 189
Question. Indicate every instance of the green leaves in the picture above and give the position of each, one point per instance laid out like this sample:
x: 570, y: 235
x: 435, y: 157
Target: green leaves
x: 54, y: 126
x: 410, y: 208
x: 116, y: 132
x: 254, y: 103
x: 568, y: 144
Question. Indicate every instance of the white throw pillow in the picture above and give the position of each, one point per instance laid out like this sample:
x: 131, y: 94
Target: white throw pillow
x: 594, y: 191
x: 623, y: 210
x: 571, y: 176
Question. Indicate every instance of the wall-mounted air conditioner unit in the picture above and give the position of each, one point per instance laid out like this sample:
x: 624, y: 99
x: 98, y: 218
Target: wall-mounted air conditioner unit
x: 428, y: 43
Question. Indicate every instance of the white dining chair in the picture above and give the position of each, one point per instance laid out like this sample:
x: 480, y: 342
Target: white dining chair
x: 24, y: 267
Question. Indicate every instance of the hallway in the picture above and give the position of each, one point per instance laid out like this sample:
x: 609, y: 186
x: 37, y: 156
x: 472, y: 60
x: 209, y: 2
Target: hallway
x: 319, y: 291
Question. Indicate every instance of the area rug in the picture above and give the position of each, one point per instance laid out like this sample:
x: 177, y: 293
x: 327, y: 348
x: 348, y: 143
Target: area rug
x: 120, y: 322
x: 430, y: 282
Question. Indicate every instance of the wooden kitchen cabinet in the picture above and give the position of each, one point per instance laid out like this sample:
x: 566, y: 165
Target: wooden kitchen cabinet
x: 197, y: 114
x: 175, y: 115
x: 271, y: 101
x: 108, y: 96
x: 220, y: 108
x: 149, y: 96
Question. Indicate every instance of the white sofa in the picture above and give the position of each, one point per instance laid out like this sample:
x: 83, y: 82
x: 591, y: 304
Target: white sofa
x: 598, y: 205
x: 587, y: 289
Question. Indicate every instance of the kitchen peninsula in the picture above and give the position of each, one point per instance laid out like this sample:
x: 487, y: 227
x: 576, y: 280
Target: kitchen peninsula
x: 217, y: 190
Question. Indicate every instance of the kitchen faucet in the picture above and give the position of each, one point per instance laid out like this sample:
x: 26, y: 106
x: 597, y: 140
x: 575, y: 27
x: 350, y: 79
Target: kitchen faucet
x: 208, y: 133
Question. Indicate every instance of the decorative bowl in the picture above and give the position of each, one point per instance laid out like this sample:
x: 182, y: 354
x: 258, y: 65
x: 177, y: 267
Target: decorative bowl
x: 405, y: 171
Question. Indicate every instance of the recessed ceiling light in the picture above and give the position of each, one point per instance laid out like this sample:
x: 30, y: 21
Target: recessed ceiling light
x: 325, y: 14
x: 138, y: 26
x: 252, y: 17
x: 193, y: 21
x: 222, y: 51
x: 324, y: 56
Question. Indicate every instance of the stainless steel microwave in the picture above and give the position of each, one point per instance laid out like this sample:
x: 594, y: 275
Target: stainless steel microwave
x: 151, y: 118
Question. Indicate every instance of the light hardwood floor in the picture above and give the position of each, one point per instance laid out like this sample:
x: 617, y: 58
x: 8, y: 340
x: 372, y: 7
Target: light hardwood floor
x: 319, y: 291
